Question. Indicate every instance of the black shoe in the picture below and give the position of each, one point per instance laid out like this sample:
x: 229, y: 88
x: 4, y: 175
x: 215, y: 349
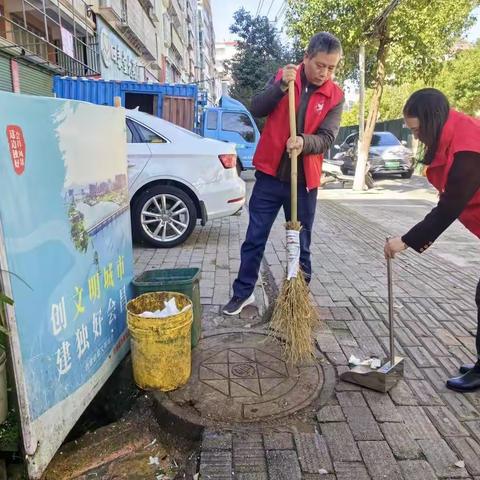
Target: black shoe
x: 468, y: 382
x: 466, y: 367
x: 237, y: 304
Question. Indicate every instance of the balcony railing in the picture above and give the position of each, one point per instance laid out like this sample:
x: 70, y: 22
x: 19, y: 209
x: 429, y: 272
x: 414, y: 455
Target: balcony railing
x: 137, y: 27
x: 38, y: 50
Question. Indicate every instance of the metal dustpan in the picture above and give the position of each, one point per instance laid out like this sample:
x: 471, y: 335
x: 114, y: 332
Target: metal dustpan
x: 384, y: 378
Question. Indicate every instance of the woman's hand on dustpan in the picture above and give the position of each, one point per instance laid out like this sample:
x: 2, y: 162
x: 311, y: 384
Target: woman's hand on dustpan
x: 393, y: 246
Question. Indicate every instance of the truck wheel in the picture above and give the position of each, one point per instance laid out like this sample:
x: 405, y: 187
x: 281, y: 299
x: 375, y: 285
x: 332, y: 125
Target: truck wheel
x: 163, y: 216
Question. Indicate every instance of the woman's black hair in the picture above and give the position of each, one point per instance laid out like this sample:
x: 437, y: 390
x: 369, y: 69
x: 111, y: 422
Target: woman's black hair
x: 431, y: 107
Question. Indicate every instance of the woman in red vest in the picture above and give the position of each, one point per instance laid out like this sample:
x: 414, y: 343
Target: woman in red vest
x: 452, y: 142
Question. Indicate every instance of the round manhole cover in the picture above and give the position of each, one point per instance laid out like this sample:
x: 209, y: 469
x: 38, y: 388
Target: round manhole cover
x: 241, y: 377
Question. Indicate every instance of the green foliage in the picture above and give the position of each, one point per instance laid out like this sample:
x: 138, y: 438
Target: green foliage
x: 4, y: 301
x: 350, y: 117
x: 259, y: 55
x: 391, y: 107
x: 420, y: 32
x: 460, y: 80
x: 10, y: 433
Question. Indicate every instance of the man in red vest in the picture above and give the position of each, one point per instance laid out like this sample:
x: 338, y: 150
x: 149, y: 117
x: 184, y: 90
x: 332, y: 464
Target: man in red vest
x: 319, y: 103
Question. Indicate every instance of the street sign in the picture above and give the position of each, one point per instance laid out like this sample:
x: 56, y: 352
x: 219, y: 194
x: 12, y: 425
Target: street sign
x: 64, y: 231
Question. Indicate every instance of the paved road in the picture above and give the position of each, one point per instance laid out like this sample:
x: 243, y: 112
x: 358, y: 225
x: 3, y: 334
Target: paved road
x: 419, y: 430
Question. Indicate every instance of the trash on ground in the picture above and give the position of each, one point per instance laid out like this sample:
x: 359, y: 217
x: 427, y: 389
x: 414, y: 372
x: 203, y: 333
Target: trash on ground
x: 169, y: 310
x: 372, y: 362
x: 154, y: 461
x: 460, y: 464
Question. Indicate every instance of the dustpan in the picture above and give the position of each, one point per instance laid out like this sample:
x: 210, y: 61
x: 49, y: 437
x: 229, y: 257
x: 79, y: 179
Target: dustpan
x: 384, y: 378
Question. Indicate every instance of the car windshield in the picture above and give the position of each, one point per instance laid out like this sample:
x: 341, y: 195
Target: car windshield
x: 384, y: 139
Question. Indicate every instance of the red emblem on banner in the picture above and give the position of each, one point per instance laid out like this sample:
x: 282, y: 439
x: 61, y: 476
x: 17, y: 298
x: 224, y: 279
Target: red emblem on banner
x: 16, y: 142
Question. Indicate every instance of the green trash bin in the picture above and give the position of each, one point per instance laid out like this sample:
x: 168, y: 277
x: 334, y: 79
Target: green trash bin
x: 180, y: 280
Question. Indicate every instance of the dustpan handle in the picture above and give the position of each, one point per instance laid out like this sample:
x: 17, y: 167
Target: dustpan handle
x: 390, y: 309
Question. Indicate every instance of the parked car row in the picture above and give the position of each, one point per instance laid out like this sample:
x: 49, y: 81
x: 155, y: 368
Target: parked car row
x: 387, y: 155
x: 177, y: 177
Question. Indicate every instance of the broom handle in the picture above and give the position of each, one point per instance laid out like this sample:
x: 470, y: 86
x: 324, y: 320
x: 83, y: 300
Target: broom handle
x: 390, y: 310
x: 294, y: 155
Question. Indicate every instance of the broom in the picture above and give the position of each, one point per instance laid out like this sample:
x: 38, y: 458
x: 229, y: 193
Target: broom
x: 294, y: 316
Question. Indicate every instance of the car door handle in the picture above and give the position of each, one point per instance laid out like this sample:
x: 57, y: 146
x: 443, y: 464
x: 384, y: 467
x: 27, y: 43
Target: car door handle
x: 130, y: 165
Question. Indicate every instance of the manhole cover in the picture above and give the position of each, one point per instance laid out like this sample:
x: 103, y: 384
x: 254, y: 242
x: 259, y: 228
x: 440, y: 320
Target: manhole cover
x: 241, y: 377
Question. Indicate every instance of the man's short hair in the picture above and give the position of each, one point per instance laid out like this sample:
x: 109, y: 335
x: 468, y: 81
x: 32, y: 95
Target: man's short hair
x: 324, y: 42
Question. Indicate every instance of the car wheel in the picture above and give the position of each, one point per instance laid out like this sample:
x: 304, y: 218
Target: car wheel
x: 163, y: 216
x: 407, y: 174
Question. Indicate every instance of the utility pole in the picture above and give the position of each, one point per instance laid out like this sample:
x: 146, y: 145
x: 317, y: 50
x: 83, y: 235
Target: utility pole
x: 362, y: 152
x: 360, y: 170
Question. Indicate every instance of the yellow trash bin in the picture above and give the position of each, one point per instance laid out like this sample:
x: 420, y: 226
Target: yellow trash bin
x: 161, y: 347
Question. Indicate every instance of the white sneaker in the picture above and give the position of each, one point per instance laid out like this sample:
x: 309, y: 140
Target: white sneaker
x: 237, y: 304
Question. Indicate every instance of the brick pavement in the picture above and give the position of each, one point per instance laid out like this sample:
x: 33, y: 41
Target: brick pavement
x: 420, y: 430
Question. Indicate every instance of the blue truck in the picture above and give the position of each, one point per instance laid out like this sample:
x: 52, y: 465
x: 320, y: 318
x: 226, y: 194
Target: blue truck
x: 182, y: 104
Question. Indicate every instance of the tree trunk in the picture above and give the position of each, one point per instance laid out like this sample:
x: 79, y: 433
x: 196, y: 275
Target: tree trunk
x: 364, y: 147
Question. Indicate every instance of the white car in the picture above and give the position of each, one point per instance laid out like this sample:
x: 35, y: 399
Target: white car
x: 176, y: 177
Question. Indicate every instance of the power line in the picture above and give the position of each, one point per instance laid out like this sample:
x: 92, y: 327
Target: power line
x: 270, y: 7
x: 281, y: 11
x: 259, y: 7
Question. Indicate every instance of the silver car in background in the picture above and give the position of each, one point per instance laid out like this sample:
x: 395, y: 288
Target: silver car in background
x: 387, y: 155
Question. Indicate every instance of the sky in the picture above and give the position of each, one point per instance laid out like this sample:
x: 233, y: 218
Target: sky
x: 223, y: 10
x: 474, y: 33
x: 223, y: 15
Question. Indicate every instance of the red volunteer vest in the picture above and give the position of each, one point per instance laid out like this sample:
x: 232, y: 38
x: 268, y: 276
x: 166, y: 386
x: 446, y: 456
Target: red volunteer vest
x: 460, y: 133
x: 276, y: 131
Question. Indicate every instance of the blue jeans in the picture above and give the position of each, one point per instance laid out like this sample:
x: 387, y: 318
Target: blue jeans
x: 269, y: 194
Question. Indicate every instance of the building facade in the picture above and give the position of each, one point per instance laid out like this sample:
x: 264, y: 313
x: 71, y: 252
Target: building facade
x: 206, y: 50
x: 166, y: 41
x: 39, y: 39
x: 224, y: 52
x: 128, y: 34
